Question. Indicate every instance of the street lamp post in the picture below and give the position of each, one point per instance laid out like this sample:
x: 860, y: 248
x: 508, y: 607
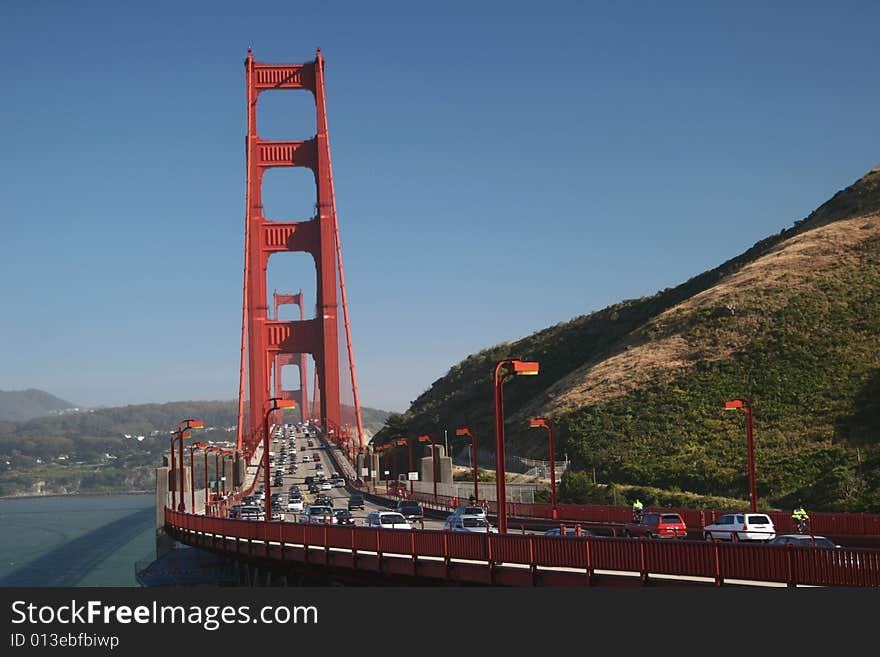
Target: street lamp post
x: 548, y: 424
x: 173, y: 485
x: 404, y: 441
x: 466, y: 431
x: 223, y: 454
x: 423, y: 439
x: 512, y: 367
x: 183, y: 431
x: 207, y: 495
x: 216, y: 451
x: 383, y: 460
x: 277, y: 403
x: 745, y: 406
x: 192, y: 475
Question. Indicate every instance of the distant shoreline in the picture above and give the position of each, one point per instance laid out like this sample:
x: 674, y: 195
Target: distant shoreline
x: 31, y: 496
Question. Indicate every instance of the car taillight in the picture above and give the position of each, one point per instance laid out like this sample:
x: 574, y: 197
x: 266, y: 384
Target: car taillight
x: 745, y: 527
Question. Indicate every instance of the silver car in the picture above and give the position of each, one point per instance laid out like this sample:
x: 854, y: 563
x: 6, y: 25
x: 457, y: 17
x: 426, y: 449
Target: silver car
x: 470, y: 524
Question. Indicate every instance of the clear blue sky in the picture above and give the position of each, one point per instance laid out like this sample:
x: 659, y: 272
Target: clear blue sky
x: 499, y: 167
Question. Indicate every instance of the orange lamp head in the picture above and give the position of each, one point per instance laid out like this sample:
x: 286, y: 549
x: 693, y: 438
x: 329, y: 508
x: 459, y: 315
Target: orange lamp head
x: 525, y: 368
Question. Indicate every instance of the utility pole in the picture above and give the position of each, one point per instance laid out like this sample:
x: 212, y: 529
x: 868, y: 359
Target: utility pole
x: 446, y: 442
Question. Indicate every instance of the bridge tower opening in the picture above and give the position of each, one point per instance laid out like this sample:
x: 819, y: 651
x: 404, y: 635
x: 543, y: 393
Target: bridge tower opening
x: 265, y: 340
x: 301, y: 396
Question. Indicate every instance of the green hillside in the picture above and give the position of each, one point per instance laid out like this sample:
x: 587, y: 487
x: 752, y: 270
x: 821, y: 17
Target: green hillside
x: 636, y: 389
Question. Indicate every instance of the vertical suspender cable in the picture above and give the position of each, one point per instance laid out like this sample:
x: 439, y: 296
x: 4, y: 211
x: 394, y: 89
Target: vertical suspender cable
x: 357, y: 405
x: 247, y: 235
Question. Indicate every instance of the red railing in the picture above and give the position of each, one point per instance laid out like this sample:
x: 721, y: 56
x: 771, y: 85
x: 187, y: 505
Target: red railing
x: 716, y: 561
x: 834, y: 524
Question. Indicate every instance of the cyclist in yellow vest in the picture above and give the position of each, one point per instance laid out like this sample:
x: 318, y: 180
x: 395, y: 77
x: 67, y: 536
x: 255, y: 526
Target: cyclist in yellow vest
x: 800, y: 518
x: 637, y: 509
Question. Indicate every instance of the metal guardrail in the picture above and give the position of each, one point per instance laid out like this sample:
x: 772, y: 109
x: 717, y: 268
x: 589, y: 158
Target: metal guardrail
x: 837, y: 524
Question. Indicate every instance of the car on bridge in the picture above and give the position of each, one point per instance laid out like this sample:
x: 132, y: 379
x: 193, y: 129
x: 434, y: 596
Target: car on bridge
x: 295, y: 504
x: 317, y: 514
x: 476, y: 524
x: 740, y: 527
x: 469, y: 511
x: 569, y: 531
x: 251, y: 513
x: 411, y: 509
x: 657, y: 525
x: 324, y: 500
x: 386, y: 520
x: 356, y: 501
x: 803, y: 540
x: 343, y: 517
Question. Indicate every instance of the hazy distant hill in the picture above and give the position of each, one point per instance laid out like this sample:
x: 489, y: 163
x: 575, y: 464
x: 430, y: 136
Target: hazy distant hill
x: 636, y: 389
x: 22, y: 405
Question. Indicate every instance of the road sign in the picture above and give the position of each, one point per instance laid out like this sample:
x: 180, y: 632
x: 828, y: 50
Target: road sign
x: 413, y: 476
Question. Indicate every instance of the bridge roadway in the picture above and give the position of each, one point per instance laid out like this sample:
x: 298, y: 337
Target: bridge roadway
x: 340, y: 496
x: 394, y: 556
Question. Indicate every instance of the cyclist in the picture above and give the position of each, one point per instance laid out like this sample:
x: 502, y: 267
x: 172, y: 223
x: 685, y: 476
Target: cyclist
x: 637, y: 510
x: 800, y: 518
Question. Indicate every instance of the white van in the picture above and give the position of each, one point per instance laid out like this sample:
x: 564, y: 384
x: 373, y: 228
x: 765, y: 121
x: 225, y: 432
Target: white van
x: 387, y: 520
x: 740, y: 527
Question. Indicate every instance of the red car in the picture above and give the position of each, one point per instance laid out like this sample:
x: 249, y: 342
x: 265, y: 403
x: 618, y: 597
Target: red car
x: 657, y: 525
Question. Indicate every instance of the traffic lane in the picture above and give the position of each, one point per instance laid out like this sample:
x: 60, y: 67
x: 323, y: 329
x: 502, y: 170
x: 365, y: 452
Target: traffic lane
x: 340, y: 496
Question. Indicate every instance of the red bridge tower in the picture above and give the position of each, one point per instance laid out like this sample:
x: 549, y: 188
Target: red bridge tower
x: 264, y: 339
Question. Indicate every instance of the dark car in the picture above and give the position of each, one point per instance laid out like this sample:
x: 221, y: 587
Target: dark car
x: 410, y: 509
x: 657, y: 525
x: 343, y: 517
x: 569, y: 531
x: 324, y: 500
x: 803, y: 540
x: 355, y: 502
x: 247, y: 500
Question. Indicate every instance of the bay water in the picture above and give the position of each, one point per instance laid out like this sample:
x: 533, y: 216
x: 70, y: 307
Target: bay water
x: 76, y: 540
